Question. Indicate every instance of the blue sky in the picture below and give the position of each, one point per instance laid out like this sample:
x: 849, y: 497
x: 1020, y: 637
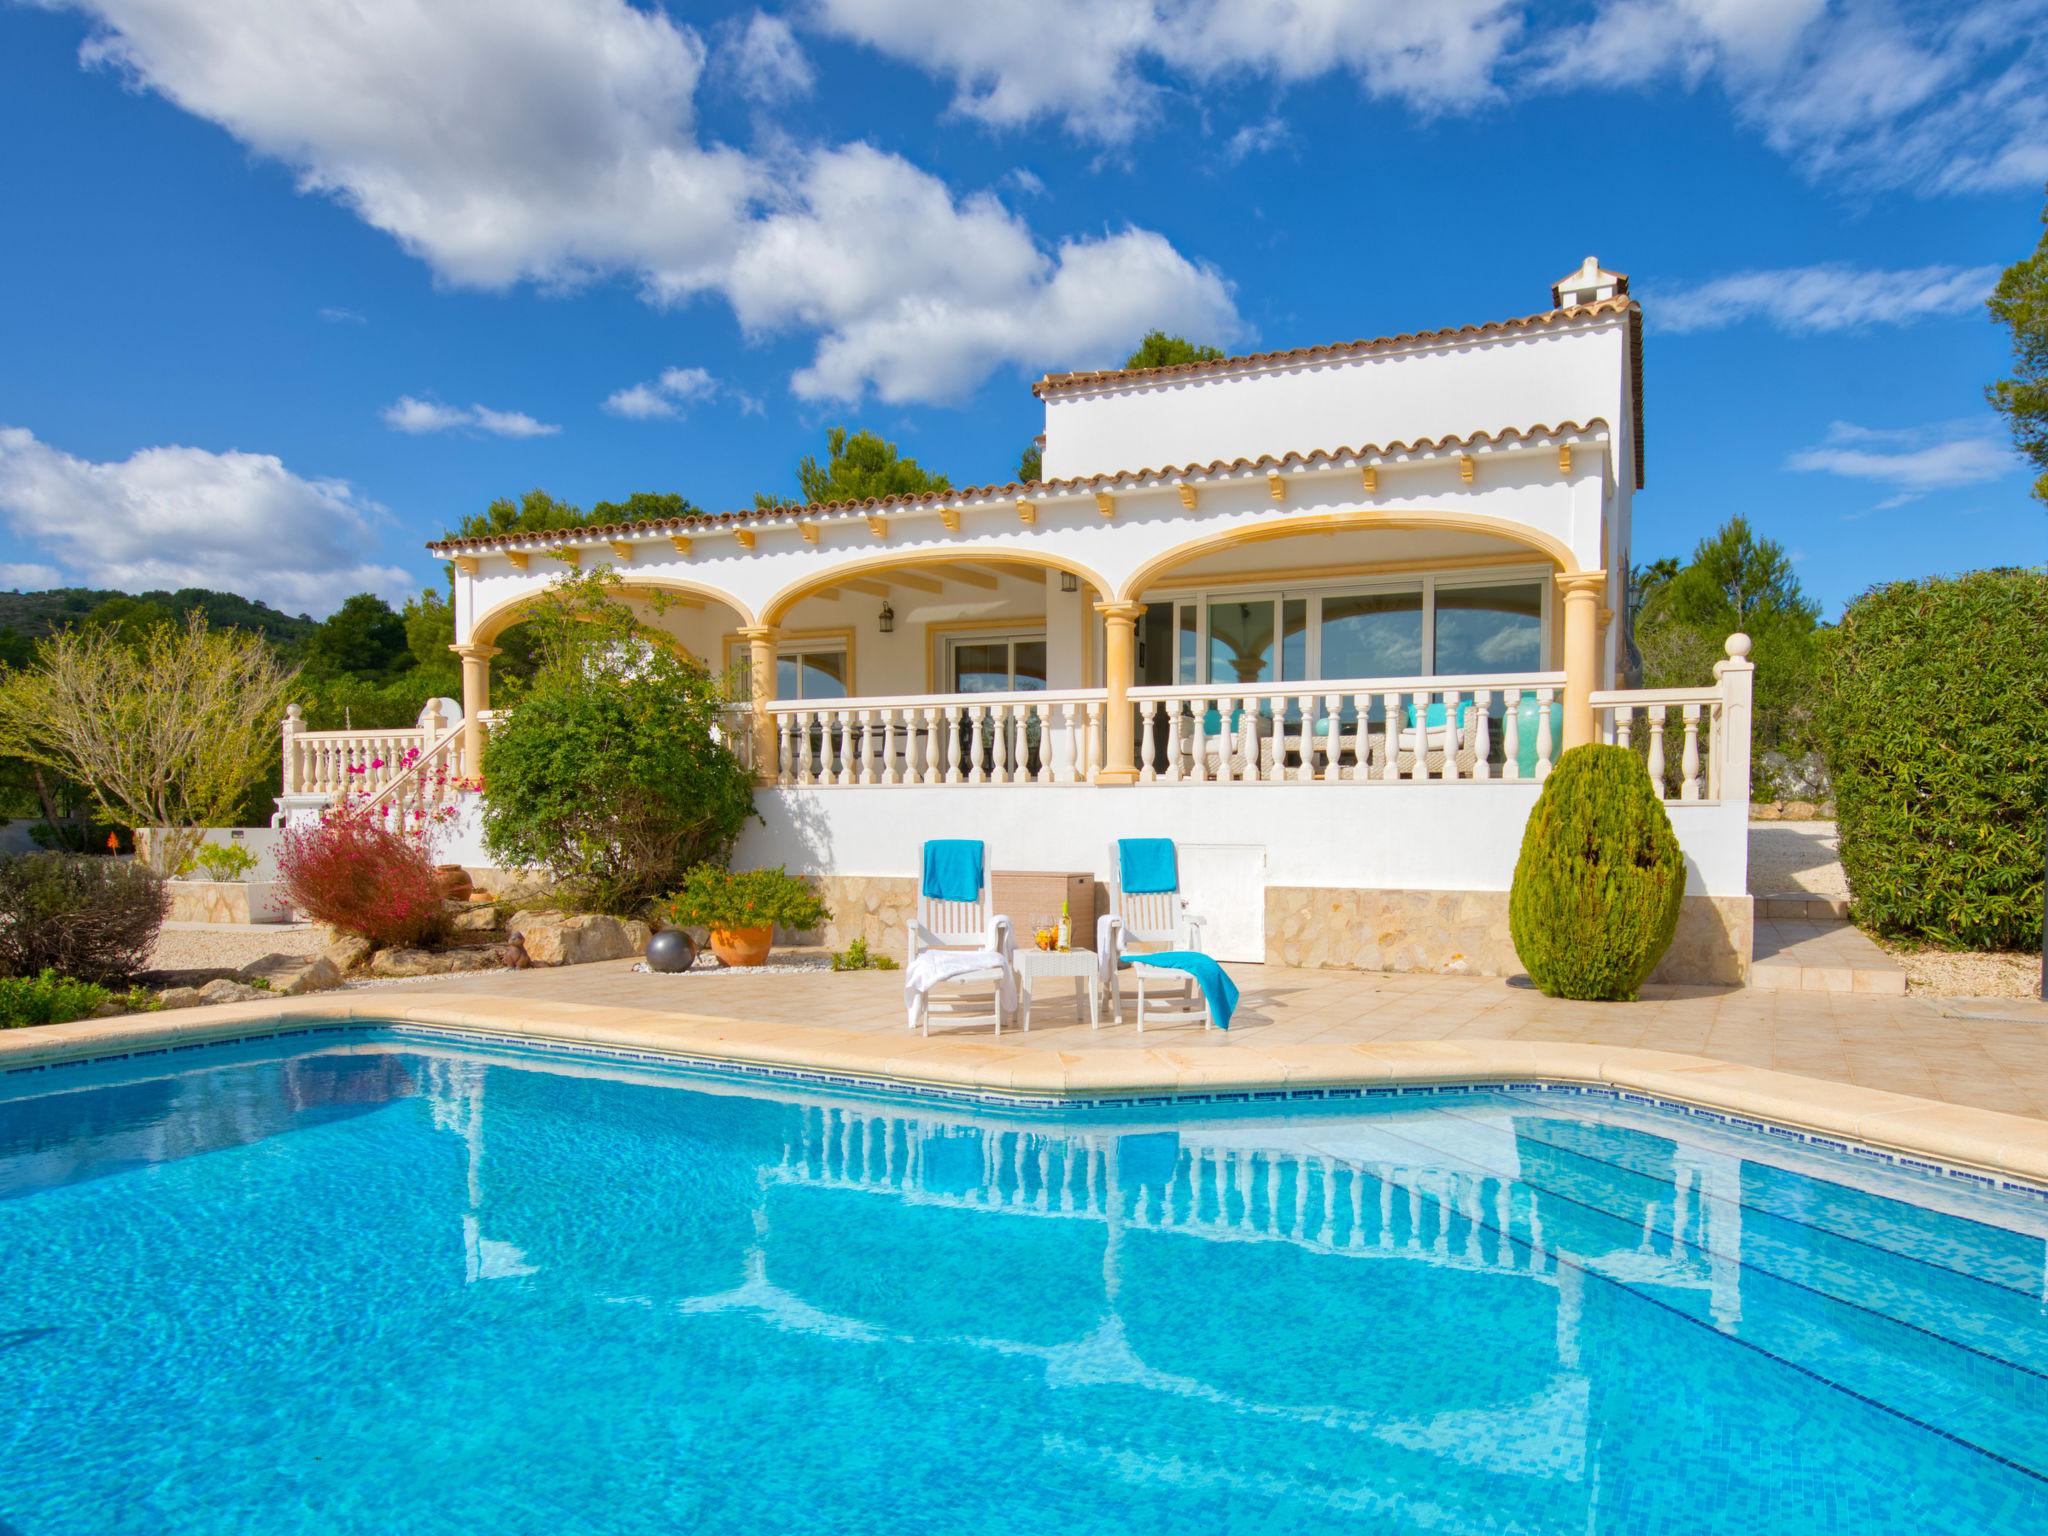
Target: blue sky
x: 289, y: 289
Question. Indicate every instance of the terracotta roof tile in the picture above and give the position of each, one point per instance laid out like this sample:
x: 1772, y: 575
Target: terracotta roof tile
x: 1053, y: 383
x: 1016, y: 488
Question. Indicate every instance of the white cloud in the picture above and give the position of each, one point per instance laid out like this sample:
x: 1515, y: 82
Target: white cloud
x: 554, y: 141
x: 410, y: 414
x: 334, y: 314
x: 766, y: 62
x: 1927, y: 94
x: 185, y: 517
x: 670, y: 394
x: 1093, y: 63
x: 29, y: 577
x: 1255, y: 139
x: 1911, y: 461
x: 1822, y: 298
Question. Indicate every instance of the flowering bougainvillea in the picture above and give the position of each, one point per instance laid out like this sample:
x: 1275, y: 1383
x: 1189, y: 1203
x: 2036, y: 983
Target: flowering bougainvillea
x: 355, y: 873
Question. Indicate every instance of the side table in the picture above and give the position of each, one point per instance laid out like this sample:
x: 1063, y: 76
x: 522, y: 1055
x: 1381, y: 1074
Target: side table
x: 1080, y: 965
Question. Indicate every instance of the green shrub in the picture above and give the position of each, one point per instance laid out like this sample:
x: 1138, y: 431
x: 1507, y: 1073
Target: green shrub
x: 219, y: 861
x: 1600, y: 879
x: 610, y: 774
x: 48, y: 998
x: 712, y: 897
x: 95, y: 919
x: 857, y: 957
x: 1934, y: 711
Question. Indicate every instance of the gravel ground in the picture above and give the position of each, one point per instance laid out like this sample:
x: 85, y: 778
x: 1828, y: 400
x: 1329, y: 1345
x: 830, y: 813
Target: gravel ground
x: 219, y: 946
x: 1790, y: 857
x: 1967, y: 973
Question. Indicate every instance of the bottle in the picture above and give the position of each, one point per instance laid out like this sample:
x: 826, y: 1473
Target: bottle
x: 1066, y: 929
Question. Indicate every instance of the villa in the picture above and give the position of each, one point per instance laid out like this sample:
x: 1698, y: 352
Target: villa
x: 1324, y: 616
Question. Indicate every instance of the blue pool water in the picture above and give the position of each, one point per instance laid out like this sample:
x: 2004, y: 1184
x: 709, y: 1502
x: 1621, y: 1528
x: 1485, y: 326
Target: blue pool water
x: 396, y: 1285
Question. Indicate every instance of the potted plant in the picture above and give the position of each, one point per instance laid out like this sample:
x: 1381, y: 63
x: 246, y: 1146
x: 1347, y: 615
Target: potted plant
x: 213, y: 885
x: 743, y: 908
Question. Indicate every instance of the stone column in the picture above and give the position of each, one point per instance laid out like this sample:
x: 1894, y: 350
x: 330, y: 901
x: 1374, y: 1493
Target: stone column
x: 1120, y: 620
x: 476, y: 698
x: 760, y: 640
x: 1582, y: 591
x: 294, y: 722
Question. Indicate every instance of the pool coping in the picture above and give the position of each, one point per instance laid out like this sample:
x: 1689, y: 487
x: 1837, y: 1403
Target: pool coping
x: 1987, y: 1147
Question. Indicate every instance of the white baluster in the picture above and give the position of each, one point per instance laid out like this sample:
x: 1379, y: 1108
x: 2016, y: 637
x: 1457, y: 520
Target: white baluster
x: 1093, y: 742
x: 1248, y: 721
x: 1148, y: 712
x: 1419, y: 771
x: 1482, y: 734
x: 1361, y: 737
x: 1511, y: 743
x: 890, y: 773
x: 848, y: 772
x: 1657, y: 750
x: 1199, y: 725
x: 1305, y: 706
x: 933, y: 767
x: 1226, y: 743
x: 1624, y: 720
x: 1333, y: 743
x: 1173, y: 733
x: 1714, y: 752
x: 999, y: 716
x: 1070, y: 743
x: 1390, y: 731
x: 975, y: 713
x: 1453, y: 737
x: 1047, y: 740
x: 1545, y: 747
x: 1689, y: 788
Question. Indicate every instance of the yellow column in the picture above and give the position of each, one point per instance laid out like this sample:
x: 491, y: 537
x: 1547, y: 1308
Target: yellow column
x: 476, y: 698
x: 1582, y: 591
x: 760, y: 640
x: 1119, y: 655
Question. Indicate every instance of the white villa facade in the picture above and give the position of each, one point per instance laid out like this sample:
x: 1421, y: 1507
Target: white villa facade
x: 1325, y: 617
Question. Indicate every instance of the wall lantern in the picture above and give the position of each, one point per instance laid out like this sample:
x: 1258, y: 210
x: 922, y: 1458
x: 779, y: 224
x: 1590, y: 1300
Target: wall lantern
x: 888, y: 619
x: 1069, y: 582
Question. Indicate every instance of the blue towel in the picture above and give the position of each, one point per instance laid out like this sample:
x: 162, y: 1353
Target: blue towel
x: 1216, y: 986
x: 1148, y: 865
x: 952, y: 869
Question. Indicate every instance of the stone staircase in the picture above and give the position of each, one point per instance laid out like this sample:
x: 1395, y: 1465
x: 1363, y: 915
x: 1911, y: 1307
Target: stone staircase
x: 1804, y: 942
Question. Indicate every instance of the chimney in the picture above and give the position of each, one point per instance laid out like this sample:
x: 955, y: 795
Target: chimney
x: 1591, y: 283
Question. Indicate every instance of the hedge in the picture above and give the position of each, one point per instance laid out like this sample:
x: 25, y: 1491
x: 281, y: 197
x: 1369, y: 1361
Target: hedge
x: 1600, y: 879
x: 1934, y: 712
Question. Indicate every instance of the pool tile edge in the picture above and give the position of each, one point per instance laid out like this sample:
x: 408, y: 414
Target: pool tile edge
x: 1981, y: 1146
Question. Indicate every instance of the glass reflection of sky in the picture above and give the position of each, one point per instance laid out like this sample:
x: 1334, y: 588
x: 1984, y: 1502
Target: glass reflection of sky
x: 424, y: 1290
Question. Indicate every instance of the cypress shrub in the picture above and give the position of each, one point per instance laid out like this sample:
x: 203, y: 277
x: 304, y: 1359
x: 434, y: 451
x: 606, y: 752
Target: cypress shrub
x: 1600, y: 879
x: 1934, y: 716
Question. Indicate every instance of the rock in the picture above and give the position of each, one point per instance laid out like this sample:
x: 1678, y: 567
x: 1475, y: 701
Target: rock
x: 475, y: 919
x: 1798, y: 810
x: 347, y: 953
x: 1764, y: 810
x: 230, y: 992
x: 431, y: 962
x: 513, y: 886
x: 320, y: 974
x: 553, y: 939
x: 179, y: 997
x: 109, y: 1010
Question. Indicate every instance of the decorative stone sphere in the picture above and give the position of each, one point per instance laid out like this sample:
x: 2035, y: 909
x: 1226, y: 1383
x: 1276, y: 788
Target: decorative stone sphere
x: 671, y: 950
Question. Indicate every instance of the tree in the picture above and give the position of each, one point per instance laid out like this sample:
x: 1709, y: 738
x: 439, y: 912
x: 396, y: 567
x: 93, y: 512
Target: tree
x: 1159, y: 350
x: 645, y: 507
x: 129, y: 619
x: 1734, y: 580
x: 2020, y: 304
x: 858, y: 468
x: 538, y: 512
x: 1031, y: 467
x: 362, y: 638
x: 613, y: 773
x: 169, y: 734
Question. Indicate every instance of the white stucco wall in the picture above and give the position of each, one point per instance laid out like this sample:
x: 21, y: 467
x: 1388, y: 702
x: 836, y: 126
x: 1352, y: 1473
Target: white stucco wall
x: 1374, y: 836
x: 1575, y: 369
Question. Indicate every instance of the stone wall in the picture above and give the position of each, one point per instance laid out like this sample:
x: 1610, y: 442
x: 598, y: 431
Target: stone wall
x: 877, y: 908
x: 1466, y: 933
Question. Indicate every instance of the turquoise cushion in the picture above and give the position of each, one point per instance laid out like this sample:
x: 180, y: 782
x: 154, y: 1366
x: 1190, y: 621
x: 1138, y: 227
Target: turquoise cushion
x: 1212, y: 722
x: 1436, y: 712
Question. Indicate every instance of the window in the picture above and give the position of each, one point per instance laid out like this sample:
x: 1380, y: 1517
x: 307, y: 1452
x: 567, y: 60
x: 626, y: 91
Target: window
x: 997, y: 664
x: 1495, y: 628
x: 1424, y: 627
x: 804, y: 669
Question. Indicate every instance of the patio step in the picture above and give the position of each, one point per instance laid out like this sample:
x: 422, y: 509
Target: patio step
x: 1793, y: 955
x: 1803, y: 907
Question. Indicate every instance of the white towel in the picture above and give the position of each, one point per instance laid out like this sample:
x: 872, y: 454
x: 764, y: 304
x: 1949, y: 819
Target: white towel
x: 937, y: 965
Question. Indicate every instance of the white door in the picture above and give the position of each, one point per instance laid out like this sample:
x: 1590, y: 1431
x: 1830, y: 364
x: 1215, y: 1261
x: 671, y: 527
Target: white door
x: 1225, y: 884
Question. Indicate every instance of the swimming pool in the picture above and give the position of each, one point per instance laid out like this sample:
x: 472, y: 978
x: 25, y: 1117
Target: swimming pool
x: 397, y: 1284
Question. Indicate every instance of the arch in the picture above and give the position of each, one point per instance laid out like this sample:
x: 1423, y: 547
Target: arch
x: 864, y: 565
x: 1350, y: 518
x: 496, y: 620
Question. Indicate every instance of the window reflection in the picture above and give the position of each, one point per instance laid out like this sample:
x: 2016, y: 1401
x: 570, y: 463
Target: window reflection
x: 1489, y: 629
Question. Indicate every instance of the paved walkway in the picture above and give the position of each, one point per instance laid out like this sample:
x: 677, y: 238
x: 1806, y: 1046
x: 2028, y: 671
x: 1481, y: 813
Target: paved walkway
x: 1997, y: 1060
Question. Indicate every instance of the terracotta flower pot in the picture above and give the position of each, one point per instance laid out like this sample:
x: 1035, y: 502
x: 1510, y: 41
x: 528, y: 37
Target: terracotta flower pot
x: 742, y: 946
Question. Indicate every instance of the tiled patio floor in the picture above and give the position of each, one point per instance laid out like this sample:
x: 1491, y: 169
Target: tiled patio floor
x: 1988, y: 1056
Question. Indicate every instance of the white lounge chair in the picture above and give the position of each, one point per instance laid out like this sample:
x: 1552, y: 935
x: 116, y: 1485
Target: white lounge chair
x: 981, y: 996
x: 1140, y: 920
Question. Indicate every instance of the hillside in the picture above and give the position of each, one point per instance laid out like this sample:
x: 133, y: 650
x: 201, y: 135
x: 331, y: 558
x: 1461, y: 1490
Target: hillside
x: 35, y: 614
